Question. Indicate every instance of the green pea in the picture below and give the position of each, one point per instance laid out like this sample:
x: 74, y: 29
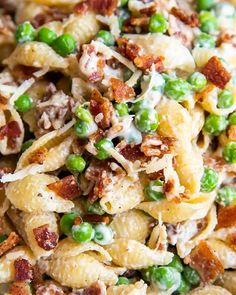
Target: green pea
x: 122, y: 109
x: 191, y: 276
x: 26, y: 145
x: 205, y: 4
x: 224, y: 9
x: 153, y: 191
x: 103, y: 234
x: 46, y: 35
x: 229, y: 152
x: 177, y: 89
x: 94, y: 208
x: 176, y: 263
x: 75, y: 163
x: 209, y: 180
x: 208, y: 22
x: 82, y: 129
x: 147, y: 273
x: 157, y: 23
x: 232, y: 119
x: 23, y: 103
x: 64, y: 45
x: 106, y: 37
x: 204, y: 40
x: 67, y: 221
x: 184, y: 287
x: 166, y: 277
x: 147, y: 120
x: 215, y: 124
x: 226, y: 195
x: 225, y: 99
x: 102, y: 146
x: 25, y: 32
x: 123, y: 281
x: 83, y: 114
x: 198, y: 81
x: 139, y: 105
x: 2, y: 238
x: 83, y: 232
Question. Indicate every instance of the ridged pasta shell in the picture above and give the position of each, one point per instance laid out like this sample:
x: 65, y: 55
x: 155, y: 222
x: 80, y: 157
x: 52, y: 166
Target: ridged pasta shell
x: 36, y: 54
x: 228, y: 281
x: 210, y: 290
x: 134, y: 255
x: 7, y: 262
x: 31, y: 194
x: 195, y: 208
x: 139, y: 288
x: 176, y: 55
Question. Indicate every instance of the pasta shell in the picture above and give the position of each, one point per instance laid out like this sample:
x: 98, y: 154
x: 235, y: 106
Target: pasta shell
x: 139, y: 288
x: 210, y: 290
x: 228, y: 281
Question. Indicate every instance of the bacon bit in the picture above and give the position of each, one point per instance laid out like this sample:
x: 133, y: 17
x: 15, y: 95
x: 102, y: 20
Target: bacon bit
x: 100, y: 104
x: 201, y: 96
x: 190, y: 20
x: 232, y: 133
x: 119, y: 91
x: 37, y: 279
x: 231, y: 241
x: 78, y: 146
x: 39, y: 156
x: 104, y: 7
x: 23, y: 270
x: 145, y: 62
x: 139, y: 21
x: 94, y: 218
x: 50, y: 14
x: 98, y: 76
x: 67, y: 188
x: 50, y: 289
x: 156, y: 175
x: 131, y: 152
x: 9, y: 243
x: 128, y: 48
x: 80, y: 8
x: 45, y: 238
x: 131, y: 24
x: 3, y: 100
x: 94, y: 289
x: 226, y: 216
x: 168, y: 186
x: 154, y: 145
x: 204, y: 260
x: 20, y: 288
x: 225, y: 37
x: 216, y: 72
x: 150, y: 10
x: 78, y: 220
x: 12, y: 131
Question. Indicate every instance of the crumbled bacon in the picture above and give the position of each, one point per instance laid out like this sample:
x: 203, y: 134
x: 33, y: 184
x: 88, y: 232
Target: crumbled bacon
x: 216, y: 72
x: 135, y: 24
x: 205, y: 261
x: 39, y: 156
x: 119, y: 91
x: 37, y: 279
x: 150, y: 10
x: 154, y: 145
x: 231, y: 241
x: 226, y: 216
x: 128, y: 48
x: 23, y: 270
x: 131, y: 152
x: 20, y: 288
x: 190, y: 20
x: 232, y: 133
x: 3, y: 100
x: 67, y: 187
x: 94, y: 218
x: 45, y: 238
x: 49, y: 15
x: 94, y: 289
x: 144, y: 62
x: 105, y: 7
x: 9, y: 243
x: 12, y: 131
x: 168, y: 186
x: 100, y: 104
x: 78, y: 220
x: 50, y: 289
x: 78, y: 146
x: 156, y: 175
x: 201, y: 96
x: 80, y: 8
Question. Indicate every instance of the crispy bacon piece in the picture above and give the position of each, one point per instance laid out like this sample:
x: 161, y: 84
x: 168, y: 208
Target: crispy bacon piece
x: 190, y: 20
x: 201, y: 96
x: 216, y: 72
x: 67, y: 187
x: 119, y: 91
x: 50, y: 14
x: 9, y: 243
x: 50, y: 289
x: 45, y: 238
x: 78, y: 220
x: 100, y: 104
x: 80, y: 8
x: 131, y: 152
x: 78, y: 146
x: 37, y: 279
x: 226, y: 216
x: 156, y: 175
x: 154, y: 145
x: 105, y: 7
x: 38, y: 157
x: 12, y: 131
x: 168, y: 186
x: 23, y: 270
x: 94, y: 218
x: 128, y: 48
x: 94, y: 289
x: 207, y: 264
x: 145, y: 62
x: 20, y: 288
x: 3, y: 100
x: 231, y: 241
x: 135, y: 24
x: 232, y: 133
x: 150, y: 10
